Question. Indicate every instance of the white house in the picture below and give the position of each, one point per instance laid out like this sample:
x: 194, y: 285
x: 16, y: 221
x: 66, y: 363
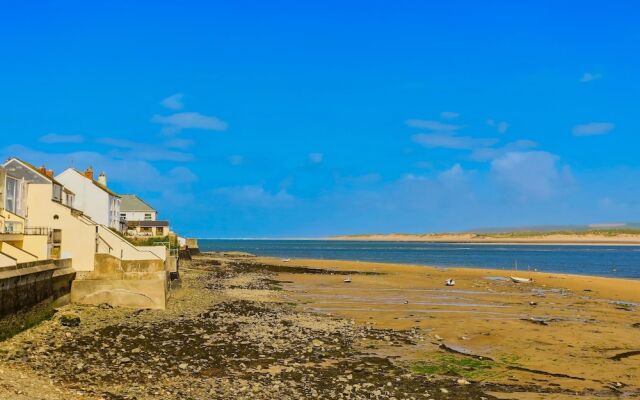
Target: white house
x: 141, y: 219
x: 93, y: 197
x: 133, y: 208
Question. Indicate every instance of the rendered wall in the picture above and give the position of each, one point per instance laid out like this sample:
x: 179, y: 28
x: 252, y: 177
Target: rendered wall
x: 123, y: 283
x: 78, y: 233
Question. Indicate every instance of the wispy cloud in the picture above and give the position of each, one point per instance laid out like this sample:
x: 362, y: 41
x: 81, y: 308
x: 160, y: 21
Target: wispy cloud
x: 52, y: 138
x: 491, y: 153
x: 254, y: 196
x: 588, y: 77
x: 448, y: 140
x: 173, y: 102
x: 432, y: 125
x: 449, y: 115
x: 316, y: 158
x: 593, y: 128
x: 174, y: 123
x: 501, y: 126
x: 123, y: 148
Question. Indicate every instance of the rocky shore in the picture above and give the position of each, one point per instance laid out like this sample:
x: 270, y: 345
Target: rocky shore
x: 240, y: 327
x: 229, y: 333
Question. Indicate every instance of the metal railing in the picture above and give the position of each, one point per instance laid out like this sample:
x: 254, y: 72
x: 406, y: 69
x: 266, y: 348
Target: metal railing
x: 37, y: 231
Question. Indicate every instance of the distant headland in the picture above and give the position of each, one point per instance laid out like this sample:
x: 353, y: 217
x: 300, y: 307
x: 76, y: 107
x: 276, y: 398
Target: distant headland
x: 605, y: 234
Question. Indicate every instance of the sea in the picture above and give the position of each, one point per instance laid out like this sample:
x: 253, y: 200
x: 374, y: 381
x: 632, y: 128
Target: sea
x: 611, y: 261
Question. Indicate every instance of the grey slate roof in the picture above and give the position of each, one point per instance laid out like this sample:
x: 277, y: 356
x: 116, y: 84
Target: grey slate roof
x: 131, y: 202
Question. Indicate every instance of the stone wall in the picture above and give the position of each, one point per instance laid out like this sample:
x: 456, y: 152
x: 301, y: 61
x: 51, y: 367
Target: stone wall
x: 30, y: 283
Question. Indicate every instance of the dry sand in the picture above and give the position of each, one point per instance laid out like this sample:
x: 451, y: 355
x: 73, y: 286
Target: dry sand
x: 560, y: 330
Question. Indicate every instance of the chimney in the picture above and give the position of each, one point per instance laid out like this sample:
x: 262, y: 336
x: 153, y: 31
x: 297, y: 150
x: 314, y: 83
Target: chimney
x: 43, y: 170
x: 89, y: 173
x: 49, y: 173
x: 102, y: 179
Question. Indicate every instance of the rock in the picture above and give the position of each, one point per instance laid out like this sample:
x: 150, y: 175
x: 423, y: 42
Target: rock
x: 463, y: 382
x: 438, y: 337
x: 183, y: 366
x: 443, y: 390
x: 71, y: 320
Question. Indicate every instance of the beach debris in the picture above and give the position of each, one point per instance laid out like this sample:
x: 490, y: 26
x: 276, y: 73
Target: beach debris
x: 450, y: 282
x: 438, y: 337
x: 516, y: 279
x: 347, y: 279
x: 465, y: 338
x: 626, y: 354
x: 463, y: 352
x: 538, y: 321
x: 406, y: 302
x: 533, y: 303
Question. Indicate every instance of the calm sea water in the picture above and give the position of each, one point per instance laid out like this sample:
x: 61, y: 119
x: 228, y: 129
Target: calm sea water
x: 618, y: 261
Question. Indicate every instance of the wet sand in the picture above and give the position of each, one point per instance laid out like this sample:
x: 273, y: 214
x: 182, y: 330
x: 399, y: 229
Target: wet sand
x: 574, y: 332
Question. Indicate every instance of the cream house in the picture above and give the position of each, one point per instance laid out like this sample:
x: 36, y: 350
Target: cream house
x: 93, y: 197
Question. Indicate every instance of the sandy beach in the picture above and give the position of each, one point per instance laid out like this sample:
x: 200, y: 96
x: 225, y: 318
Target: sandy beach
x: 574, y: 332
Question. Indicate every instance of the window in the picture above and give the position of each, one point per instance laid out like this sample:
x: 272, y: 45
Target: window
x: 147, y: 217
x: 57, y: 193
x: 159, y: 231
x: 12, y: 188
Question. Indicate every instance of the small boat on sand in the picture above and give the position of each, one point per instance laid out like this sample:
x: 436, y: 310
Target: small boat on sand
x: 347, y: 279
x: 521, y: 280
x: 450, y: 282
x: 286, y: 259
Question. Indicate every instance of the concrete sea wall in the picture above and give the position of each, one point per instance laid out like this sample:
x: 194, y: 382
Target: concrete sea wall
x: 27, y: 284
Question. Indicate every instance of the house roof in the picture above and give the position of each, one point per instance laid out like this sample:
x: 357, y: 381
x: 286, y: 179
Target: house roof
x: 98, y: 184
x: 30, y: 167
x: 131, y: 202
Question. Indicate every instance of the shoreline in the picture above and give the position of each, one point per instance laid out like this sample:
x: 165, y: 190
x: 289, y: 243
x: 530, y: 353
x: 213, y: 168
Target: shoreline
x: 493, y: 241
x: 540, y: 277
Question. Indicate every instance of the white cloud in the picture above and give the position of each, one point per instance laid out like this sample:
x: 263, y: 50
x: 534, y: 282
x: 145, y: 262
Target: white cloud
x: 188, y: 120
x: 254, y: 196
x: 593, y: 128
x: 490, y: 153
x: 448, y: 140
x: 531, y: 175
x: 316, y: 158
x: 127, y: 149
x: 588, y: 77
x: 449, y: 115
x: 173, y: 102
x: 501, y: 126
x: 432, y: 125
x: 53, y: 138
x: 453, y: 174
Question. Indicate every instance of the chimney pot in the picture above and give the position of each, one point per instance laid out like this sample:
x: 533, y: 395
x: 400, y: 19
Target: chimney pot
x: 43, y: 170
x: 49, y: 173
x: 102, y: 179
x: 89, y: 173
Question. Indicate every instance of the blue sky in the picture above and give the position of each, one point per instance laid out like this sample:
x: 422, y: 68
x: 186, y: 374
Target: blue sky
x: 285, y: 118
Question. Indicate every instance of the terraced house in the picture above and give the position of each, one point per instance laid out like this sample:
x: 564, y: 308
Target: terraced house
x: 40, y: 224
